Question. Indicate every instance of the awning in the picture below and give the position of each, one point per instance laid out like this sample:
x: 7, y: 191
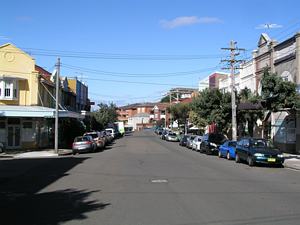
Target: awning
x: 36, y: 111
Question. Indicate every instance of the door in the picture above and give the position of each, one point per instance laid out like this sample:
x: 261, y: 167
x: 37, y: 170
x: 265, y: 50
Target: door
x: 14, y: 136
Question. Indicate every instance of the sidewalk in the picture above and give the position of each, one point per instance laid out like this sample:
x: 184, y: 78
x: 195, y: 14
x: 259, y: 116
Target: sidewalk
x: 292, y: 161
x: 36, y: 154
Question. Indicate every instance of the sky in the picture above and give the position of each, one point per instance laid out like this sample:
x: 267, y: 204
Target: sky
x: 130, y: 51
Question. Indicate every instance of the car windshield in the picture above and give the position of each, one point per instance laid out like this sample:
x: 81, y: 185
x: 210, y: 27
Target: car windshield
x: 261, y: 143
x: 172, y: 134
x: 217, y: 138
x: 232, y: 144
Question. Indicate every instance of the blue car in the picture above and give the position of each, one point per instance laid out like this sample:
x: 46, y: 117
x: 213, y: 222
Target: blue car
x: 227, y: 150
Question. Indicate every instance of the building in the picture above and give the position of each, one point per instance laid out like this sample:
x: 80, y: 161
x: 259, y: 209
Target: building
x: 81, y: 91
x: 203, y: 84
x: 263, y: 58
x: 129, y: 111
x: 27, y: 102
x: 215, y: 77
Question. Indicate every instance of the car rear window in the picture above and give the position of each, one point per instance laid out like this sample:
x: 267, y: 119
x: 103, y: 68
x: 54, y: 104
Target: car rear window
x: 80, y: 139
x: 93, y: 135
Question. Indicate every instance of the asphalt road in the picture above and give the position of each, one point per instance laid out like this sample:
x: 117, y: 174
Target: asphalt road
x: 142, y: 180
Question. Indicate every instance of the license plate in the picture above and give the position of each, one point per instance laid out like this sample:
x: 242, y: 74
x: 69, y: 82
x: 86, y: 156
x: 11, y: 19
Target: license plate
x: 271, y: 160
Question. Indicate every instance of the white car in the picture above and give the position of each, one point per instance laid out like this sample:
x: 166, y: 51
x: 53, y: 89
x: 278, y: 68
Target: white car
x: 111, y: 131
x: 196, y: 143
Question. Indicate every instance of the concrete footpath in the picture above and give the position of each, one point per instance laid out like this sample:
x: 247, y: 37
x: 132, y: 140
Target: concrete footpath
x: 291, y: 161
x: 36, y: 154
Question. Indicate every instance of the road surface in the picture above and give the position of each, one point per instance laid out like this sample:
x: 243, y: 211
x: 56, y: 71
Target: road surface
x: 142, y: 180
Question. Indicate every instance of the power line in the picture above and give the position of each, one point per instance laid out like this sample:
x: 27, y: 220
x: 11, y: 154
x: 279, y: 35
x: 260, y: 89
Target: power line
x: 117, y: 56
x: 136, y: 82
x: 142, y: 75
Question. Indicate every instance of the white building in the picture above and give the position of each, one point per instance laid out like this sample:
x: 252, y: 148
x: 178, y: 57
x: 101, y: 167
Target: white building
x: 203, y: 84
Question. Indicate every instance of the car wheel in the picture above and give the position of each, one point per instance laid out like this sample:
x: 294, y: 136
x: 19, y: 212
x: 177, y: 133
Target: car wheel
x: 219, y: 154
x: 250, y: 161
x: 74, y: 152
x: 228, y: 156
x: 237, y: 158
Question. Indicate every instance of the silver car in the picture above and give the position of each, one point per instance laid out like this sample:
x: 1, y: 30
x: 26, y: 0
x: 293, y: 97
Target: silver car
x: 84, y: 144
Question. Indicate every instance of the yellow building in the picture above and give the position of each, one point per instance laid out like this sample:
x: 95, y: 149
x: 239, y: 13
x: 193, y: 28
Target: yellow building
x: 27, y: 101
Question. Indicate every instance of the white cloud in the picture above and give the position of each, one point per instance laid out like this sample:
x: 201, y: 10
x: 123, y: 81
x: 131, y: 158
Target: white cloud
x: 268, y: 26
x: 188, y: 20
x: 4, y: 37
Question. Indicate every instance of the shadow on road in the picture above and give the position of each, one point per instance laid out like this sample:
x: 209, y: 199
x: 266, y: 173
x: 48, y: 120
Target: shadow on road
x: 21, y: 201
x: 49, y: 208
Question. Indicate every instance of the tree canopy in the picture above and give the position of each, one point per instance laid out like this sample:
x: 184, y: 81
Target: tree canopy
x: 212, y: 106
x: 106, y: 114
x: 277, y: 93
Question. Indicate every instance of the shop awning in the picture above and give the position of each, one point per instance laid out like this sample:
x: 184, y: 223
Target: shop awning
x: 36, y: 111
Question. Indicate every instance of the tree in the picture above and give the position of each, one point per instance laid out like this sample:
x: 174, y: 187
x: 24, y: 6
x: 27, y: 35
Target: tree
x: 248, y: 118
x: 278, y: 94
x: 106, y: 114
x: 167, y: 98
x: 197, y: 121
x: 212, y: 106
x: 180, y: 112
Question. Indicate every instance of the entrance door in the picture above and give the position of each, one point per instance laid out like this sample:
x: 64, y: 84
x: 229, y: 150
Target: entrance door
x: 14, y: 136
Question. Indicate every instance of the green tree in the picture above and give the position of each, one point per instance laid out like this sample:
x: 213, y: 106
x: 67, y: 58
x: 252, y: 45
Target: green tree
x: 248, y: 117
x: 278, y: 94
x: 212, y: 106
x: 167, y: 98
x: 106, y: 114
x: 180, y: 112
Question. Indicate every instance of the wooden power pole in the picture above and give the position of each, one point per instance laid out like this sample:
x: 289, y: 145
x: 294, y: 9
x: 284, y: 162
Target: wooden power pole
x: 233, y: 65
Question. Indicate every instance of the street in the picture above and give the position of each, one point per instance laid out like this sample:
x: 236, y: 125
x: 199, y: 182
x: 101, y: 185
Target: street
x: 142, y: 180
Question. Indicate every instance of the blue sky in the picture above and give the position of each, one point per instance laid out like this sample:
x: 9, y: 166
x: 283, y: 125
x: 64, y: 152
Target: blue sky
x: 152, y: 45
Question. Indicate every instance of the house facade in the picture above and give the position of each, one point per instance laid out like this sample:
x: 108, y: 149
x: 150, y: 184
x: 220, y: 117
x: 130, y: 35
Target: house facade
x: 27, y: 102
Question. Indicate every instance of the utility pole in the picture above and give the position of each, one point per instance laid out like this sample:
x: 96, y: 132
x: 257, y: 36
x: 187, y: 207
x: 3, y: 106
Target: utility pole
x: 56, y: 105
x: 233, y: 62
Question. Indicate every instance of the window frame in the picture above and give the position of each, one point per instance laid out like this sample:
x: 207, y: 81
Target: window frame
x: 12, y: 89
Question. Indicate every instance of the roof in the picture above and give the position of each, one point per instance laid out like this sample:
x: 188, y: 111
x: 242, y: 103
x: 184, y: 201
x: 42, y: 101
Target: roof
x: 137, y: 105
x: 35, y: 111
x: 16, y: 49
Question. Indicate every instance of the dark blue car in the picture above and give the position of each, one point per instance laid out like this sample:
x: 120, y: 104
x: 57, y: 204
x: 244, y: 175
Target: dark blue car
x: 257, y: 150
x: 227, y: 150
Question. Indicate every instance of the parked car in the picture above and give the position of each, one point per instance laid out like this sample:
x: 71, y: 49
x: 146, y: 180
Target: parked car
x: 183, y: 140
x: 211, y: 142
x: 172, y: 137
x: 83, y: 144
x: 158, y: 130
x: 257, y: 150
x: 108, y: 138
x: 111, y: 131
x: 163, y: 134
x: 189, y: 142
x: 100, y: 141
x: 196, y: 143
x: 227, y: 150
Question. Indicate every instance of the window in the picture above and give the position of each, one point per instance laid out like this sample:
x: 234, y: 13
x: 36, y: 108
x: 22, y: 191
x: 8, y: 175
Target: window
x: 8, y: 89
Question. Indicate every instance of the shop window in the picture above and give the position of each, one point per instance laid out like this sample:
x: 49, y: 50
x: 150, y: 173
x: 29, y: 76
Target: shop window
x: 2, y: 125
